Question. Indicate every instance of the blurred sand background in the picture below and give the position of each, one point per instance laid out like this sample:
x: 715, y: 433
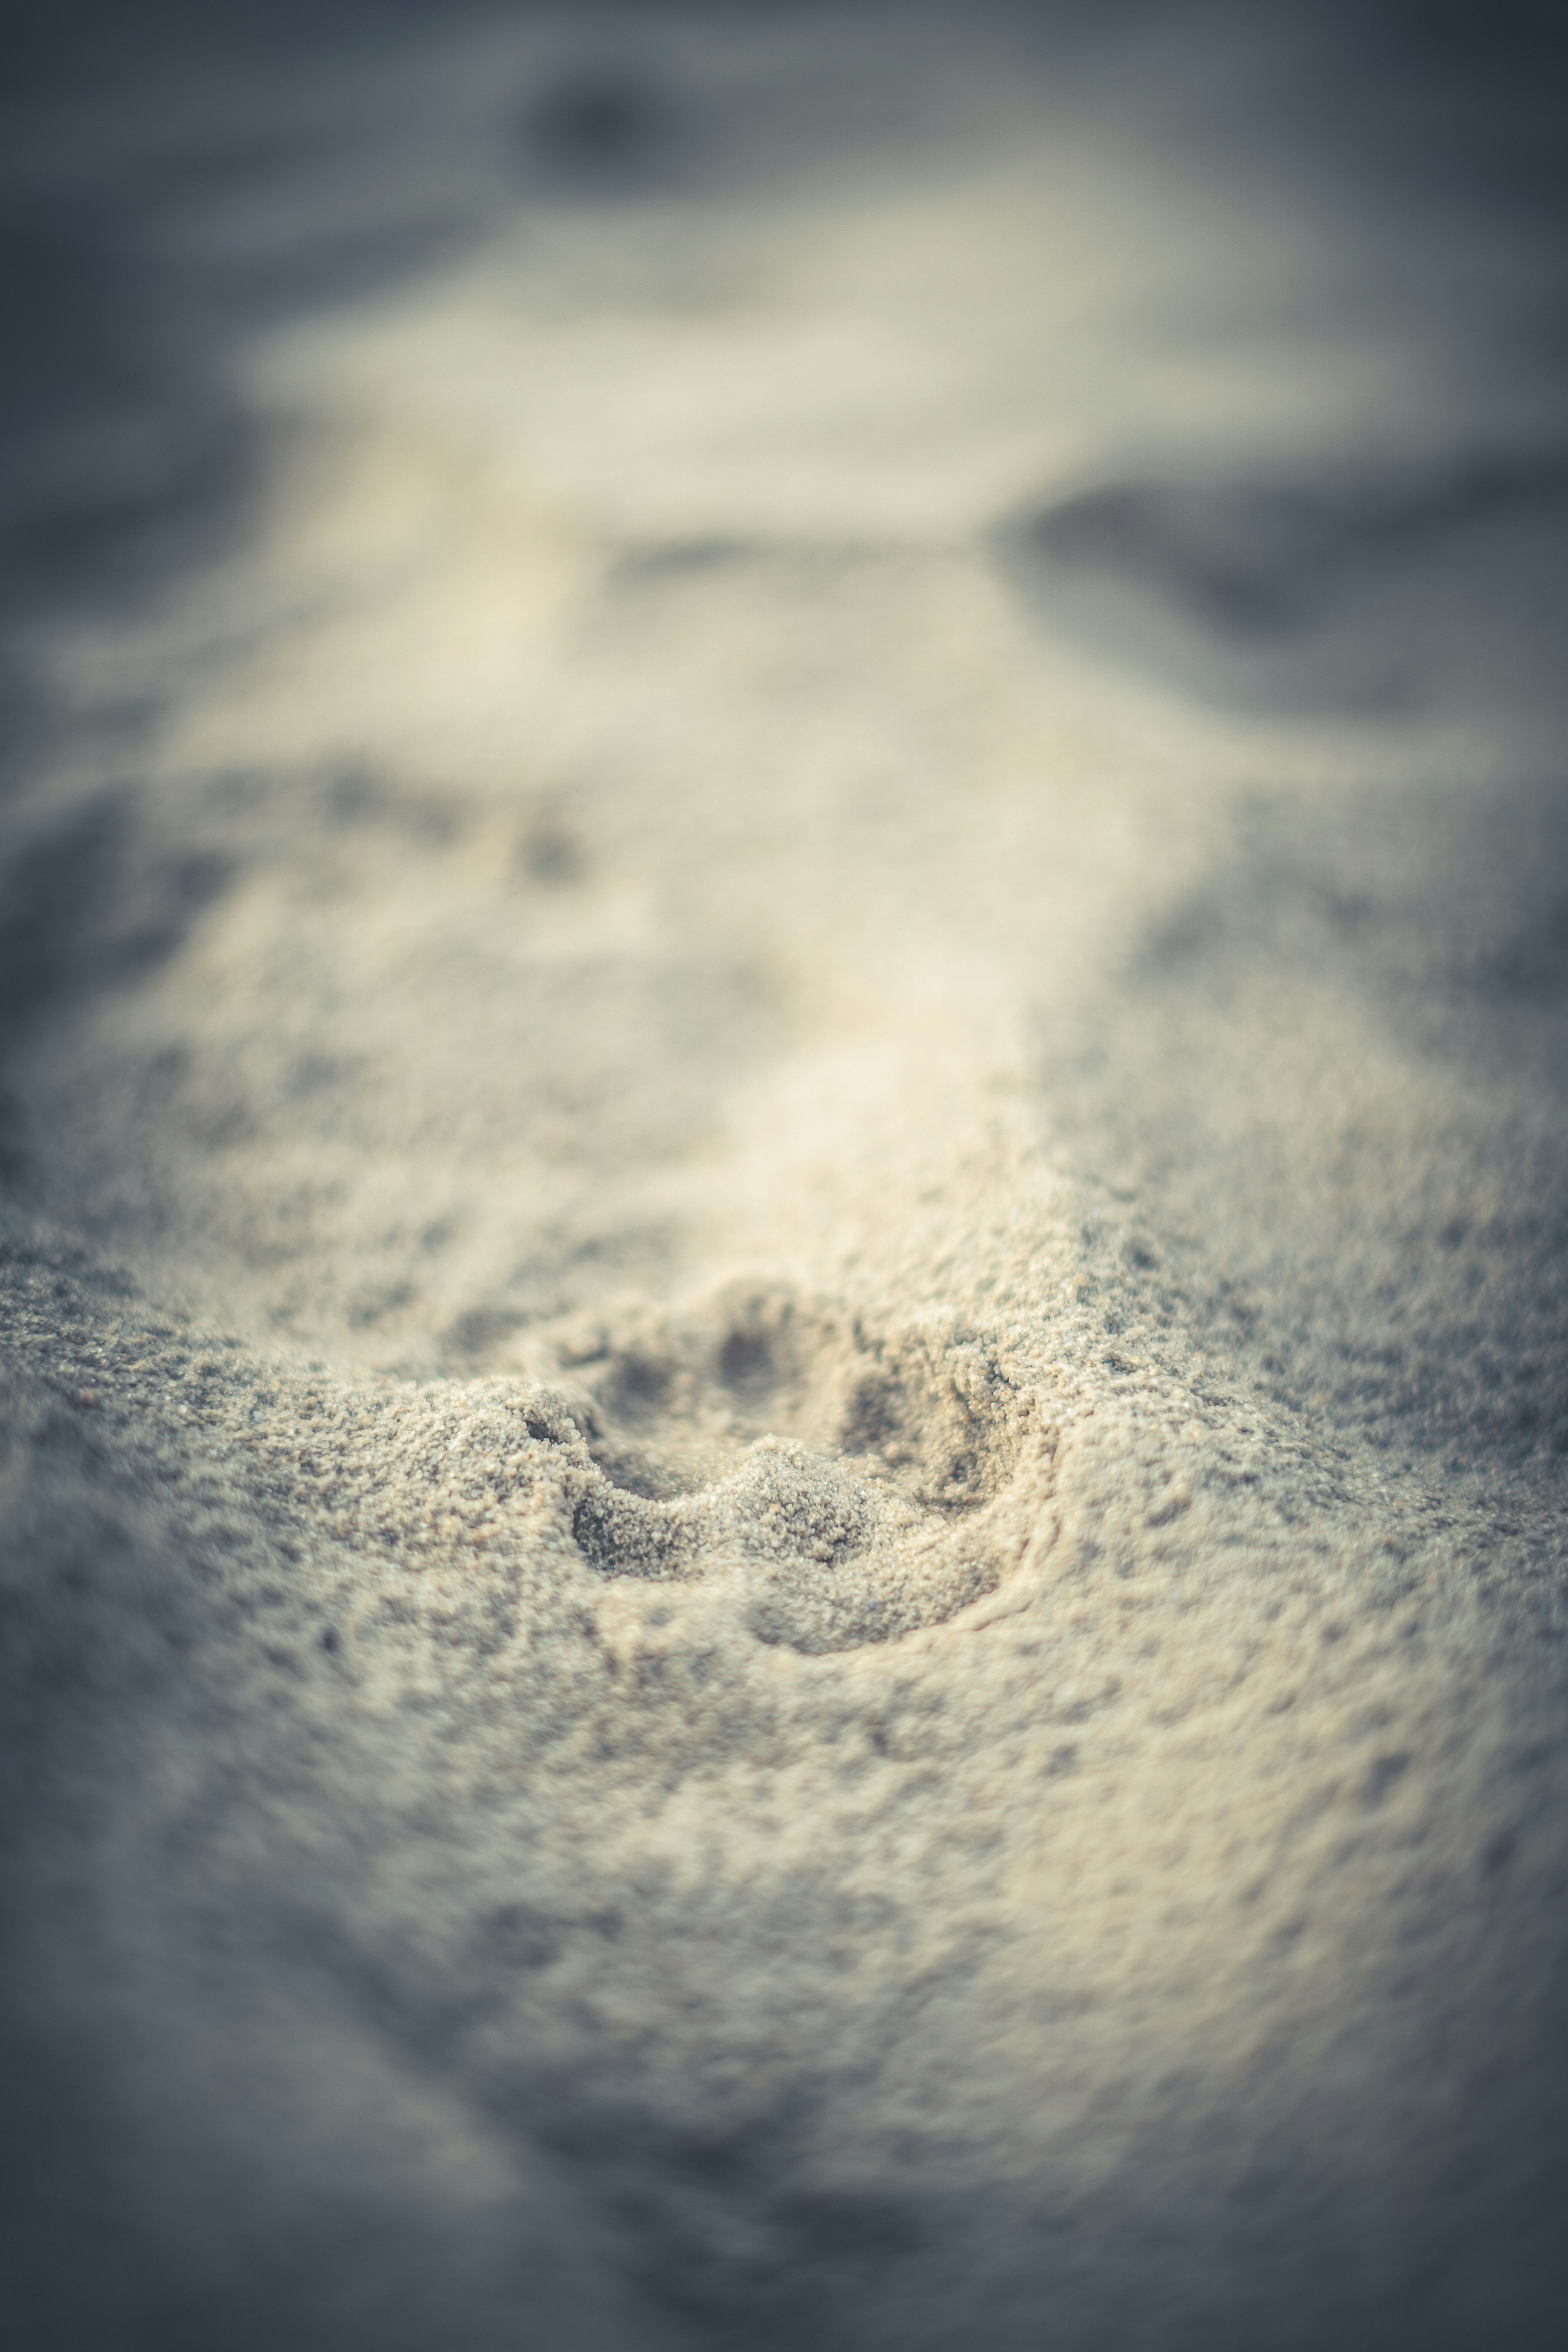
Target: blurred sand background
x: 784, y: 1103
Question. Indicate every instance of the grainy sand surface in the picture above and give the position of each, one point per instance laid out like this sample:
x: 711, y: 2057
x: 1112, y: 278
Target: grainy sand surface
x: 783, y: 1025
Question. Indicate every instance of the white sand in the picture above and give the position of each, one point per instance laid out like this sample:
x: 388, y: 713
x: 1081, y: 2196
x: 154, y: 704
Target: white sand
x: 784, y: 1242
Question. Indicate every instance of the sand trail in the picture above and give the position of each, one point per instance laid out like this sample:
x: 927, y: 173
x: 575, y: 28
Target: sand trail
x: 783, y: 1131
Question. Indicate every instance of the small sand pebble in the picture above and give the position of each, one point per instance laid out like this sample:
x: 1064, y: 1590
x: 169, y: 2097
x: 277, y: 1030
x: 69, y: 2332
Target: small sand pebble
x: 88, y: 1398
x: 1176, y: 1498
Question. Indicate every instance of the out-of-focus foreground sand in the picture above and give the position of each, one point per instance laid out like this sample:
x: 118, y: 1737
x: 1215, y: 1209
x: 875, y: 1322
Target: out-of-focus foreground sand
x: 784, y: 994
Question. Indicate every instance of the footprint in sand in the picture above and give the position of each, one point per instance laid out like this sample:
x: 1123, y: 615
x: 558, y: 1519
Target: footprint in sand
x: 861, y: 1485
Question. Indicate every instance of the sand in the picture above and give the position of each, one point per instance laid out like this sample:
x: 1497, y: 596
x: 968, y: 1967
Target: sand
x: 785, y: 1040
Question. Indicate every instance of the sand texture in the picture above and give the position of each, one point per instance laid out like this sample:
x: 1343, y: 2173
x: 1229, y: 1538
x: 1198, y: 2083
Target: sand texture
x: 783, y: 1118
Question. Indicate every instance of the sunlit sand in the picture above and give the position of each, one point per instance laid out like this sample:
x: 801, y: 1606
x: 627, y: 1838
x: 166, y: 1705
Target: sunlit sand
x: 783, y: 1147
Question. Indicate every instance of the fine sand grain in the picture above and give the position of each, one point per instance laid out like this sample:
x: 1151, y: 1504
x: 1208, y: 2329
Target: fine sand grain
x: 783, y: 1028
